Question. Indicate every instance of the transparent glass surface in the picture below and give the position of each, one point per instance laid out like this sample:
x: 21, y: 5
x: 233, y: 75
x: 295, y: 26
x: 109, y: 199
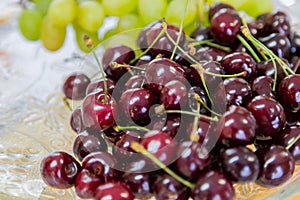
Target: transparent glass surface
x: 34, y: 120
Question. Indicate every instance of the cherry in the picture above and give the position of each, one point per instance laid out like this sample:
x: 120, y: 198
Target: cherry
x: 203, y: 131
x: 213, y: 185
x: 75, y: 85
x: 237, y: 126
x: 174, y: 95
x: 87, y: 142
x: 97, y: 113
x: 292, y: 118
x: 262, y: 85
x: 257, y: 28
x: 216, y: 7
x: 170, y: 124
x: 266, y: 68
x: 289, y: 92
x: 76, y: 120
x: 59, y: 170
x: 103, y: 165
x: 162, y: 70
x: 167, y: 187
x: 237, y: 62
x: 192, y: 159
x: 295, y: 44
x: 202, y: 33
x: 136, y: 81
x: 278, y: 22
x: 142, y: 38
x: 288, y: 136
x: 277, y: 166
x: 209, y: 53
x: 120, y: 54
x: 135, y: 104
x: 269, y: 115
x: 193, y: 103
x: 86, y: 184
x: 98, y: 86
x: 139, y: 184
x: 112, y: 135
x: 113, y: 191
x: 240, y: 164
x: 225, y: 25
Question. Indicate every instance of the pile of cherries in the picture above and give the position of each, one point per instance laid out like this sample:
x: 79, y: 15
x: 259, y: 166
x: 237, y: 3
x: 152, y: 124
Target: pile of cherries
x: 186, y: 117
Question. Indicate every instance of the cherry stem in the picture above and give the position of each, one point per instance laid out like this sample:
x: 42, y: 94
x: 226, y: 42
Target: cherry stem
x: 297, y: 65
x: 118, y: 128
x: 151, y: 45
x: 198, y: 98
x: 67, y: 104
x: 293, y: 142
x: 117, y: 65
x: 249, y: 48
x: 140, y: 149
x: 201, y: 70
x: 194, y: 136
x: 212, y: 44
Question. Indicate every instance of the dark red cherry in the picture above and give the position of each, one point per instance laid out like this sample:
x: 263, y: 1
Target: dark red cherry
x: 86, y: 184
x: 192, y: 159
x: 295, y: 42
x: 113, y: 191
x: 288, y: 135
x: 167, y: 187
x: 289, y: 92
x: 278, y: 22
x: 203, y: 131
x: 169, y: 124
x: 237, y: 62
x: 76, y: 120
x: 87, y: 142
x: 75, y: 85
x: 142, y: 38
x: 112, y: 135
x: 263, y: 85
x: 98, y: 114
x: 209, y: 53
x: 202, y: 33
x: 237, y: 126
x: 225, y: 25
x: 292, y: 118
x: 139, y: 183
x: 240, y: 164
x: 213, y: 185
x: 161, y: 71
x: 216, y: 7
x: 135, y: 104
x: 174, y: 95
x: 98, y: 86
x: 193, y: 103
x: 277, y: 166
x: 136, y: 81
x: 120, y: 54
x: 59, y: 170
x: 102, y: 164
x: 257, y: 28
x: 266, y: 68
x: 269, y: 115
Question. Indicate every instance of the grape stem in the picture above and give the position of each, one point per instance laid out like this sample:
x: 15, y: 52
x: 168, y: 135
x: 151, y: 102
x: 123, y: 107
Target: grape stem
x: 140, y: 149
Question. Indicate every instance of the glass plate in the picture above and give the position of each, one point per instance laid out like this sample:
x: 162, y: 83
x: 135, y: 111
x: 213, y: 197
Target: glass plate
x: 34, y: 120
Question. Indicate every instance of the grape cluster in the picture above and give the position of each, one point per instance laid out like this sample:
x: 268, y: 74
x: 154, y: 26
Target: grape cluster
x: 47, y: 20
x: 186, y: 117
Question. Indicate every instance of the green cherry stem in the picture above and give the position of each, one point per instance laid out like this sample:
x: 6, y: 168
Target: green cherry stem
x: 198, y: 98
x: 293, y: 142
x: 249, y: 48
x: 140, y: 149
x: 118, y: 128
x: 212, y: 44
x: 67, y: 104
x: 194, y: 136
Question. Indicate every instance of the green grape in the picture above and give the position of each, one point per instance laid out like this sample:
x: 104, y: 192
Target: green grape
x: 152, y: 10
x: 128, y: 22
x: 176, y: 9
x: 90, y: 15
x: 29, y: 22
x: 42, y: 5
x: 119, y: 7
x: 62, y: 12
x: 255, y: 8
x: 52, y: 37
x: 80, y: 33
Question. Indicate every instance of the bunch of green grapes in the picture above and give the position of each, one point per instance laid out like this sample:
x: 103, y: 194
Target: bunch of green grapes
x: 47, y: 20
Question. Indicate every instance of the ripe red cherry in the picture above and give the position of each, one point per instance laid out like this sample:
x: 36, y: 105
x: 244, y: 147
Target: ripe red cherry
x: 263, y: 85
x: 75, y: 86
x: 98, y: 86
x: 113, y: 191
x: 98, y: 114
x: 59, y: 170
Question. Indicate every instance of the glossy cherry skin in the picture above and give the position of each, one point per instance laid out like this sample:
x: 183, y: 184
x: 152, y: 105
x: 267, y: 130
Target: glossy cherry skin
x: 266, y: 68
x: 139, y: 184
x: 213, y: 185
x: 278, y: 22
x: 202, y: 33
x: 161, y: 71
x: 160, y: 144
x: 76, y: 120
x: 203, y: 131
x: 166, y: 187
x: 169, y: 124
x: 277, y: 166
x: 216, y: 7
x: 237, y: 126
x: 112, y: 135
x: 142, y: 38
x: 240, y: 164
x: 120, y: 54
x: 98, y: 114
x: 225, y: 25
x: 136, y: 81
x: 98, y: 86
x: 113, y: 191
x: 59, y: 170
x: 192, y: 158
x: 263, y: 85
x: 288, y: 136
x: 174, y: 95
x: 269, y: 115
x: 208, y: 53
x: 193, y: 103
x: 75, y: 85
x: 237, y: 62
x: 289, y: 92
x: 87, y: 142
x: 86, y: 184
x: 295, y: 42
x: 102, y: 164
x: 135, y: 104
